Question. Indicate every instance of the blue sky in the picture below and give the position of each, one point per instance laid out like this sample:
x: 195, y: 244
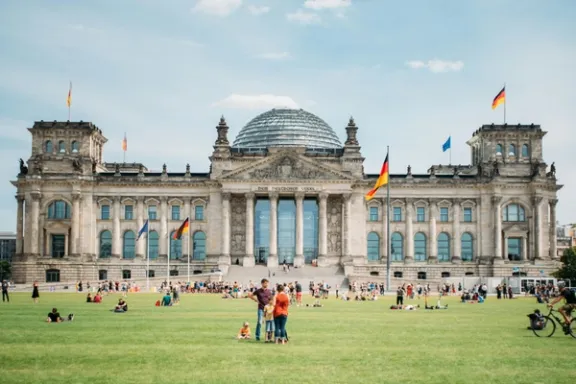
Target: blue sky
x: 410, y: 72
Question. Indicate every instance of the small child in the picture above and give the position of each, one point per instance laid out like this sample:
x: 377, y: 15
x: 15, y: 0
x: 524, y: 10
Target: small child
x: 269, y: 318
x: 244, y: 332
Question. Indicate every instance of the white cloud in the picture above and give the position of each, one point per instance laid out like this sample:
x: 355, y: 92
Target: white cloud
x: 256, y: 101
x: 274, y: 56
x: 437, y: 66
x: 327, y: 4
x: 257, y: 11
x: 303, y: 17
x: 217, y: 7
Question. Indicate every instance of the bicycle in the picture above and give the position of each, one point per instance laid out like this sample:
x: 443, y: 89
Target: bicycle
x: 549, y: 325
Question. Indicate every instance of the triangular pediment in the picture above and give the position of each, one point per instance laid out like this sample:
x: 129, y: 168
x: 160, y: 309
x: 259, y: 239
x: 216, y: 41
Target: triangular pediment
x: 286, y: 166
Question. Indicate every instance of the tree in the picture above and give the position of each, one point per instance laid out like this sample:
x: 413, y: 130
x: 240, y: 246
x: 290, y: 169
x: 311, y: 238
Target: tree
x: 5, y: 270
x: 568, y: 270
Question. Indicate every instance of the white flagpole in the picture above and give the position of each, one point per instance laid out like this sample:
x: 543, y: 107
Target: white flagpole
x: 148, y: 256
x: 190, y: 248
x: 169, y: 255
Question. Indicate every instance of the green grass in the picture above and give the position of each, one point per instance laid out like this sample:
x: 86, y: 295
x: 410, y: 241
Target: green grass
x: 343, y: 342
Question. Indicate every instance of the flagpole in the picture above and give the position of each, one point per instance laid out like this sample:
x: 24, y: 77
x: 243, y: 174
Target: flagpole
x: 388, y: 247
x: 148, y: 257
x: 189, y: 247
x: 505, y: 103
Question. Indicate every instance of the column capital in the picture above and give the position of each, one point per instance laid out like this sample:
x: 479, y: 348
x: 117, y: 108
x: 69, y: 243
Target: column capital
x: 496, y: 200
x: 19, y: 198
x: 536, y: 200
x: 457, y: 202
x: 76, y: 197
x: 250, y: 195
x: 273, y: 195
x: 347, y: 196
x: 553, y: 202
x: 226, y: 195
x: 116, y: 199
x: 299, y: 195
x: 139, y: 199
x: 163, y: 199
x: 36, y: 196
x: 323, y: 195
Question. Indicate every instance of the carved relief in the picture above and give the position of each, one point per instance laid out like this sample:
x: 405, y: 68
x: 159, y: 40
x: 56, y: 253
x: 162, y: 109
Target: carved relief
x: 237, y: 224
x: 289, y: 168
x: 334, y: 229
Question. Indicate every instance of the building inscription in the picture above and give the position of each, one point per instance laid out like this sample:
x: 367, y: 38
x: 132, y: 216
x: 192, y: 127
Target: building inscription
x: 287, y: 189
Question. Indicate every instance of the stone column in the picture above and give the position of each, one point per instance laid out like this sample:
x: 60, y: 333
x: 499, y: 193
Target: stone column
x: 140, y: 245
x: 552, y: 235
x: 538, y: 227
x: 163, y: 241
x: 225, y: 258
x: 433, y: 236
x: 498, y: 254
x: 20, y: 226
x: 74, y: 234
x: 384, y: 231
x: 273, y: 254
x: 322, y: 229
x: 249, y: 260
x: 116, y: 237
x: 505, y: 257
x: 299, y: 259
x: 35, y: 220
x: 347, y: 225
x: 409, y: 256
x: 524, y: 248
x: 456, y: 245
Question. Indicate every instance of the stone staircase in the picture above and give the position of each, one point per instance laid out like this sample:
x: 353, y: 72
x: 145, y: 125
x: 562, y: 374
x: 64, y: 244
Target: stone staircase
x: 332, y: 275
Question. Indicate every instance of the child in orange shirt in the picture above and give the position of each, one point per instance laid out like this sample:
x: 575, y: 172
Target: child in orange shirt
x: 244, y: 332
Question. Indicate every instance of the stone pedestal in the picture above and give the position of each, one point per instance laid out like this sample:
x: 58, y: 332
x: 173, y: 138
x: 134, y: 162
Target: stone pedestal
x: 456, y: 260
x: 248, y: 261
x: 408, y: 260
x: 322, y: 261
x: 299, y: 261
x: 272, y: 261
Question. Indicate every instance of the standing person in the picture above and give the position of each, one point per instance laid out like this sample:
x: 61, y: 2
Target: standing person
x: 261, y: 296
x: 35, y: 293
x: 281, y: 302
x: 400, y: 296
x: 298, y: 294
x: 5, y: 287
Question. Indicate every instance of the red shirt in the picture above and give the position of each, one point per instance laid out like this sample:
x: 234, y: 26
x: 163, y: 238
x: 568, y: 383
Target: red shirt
x: 281, y: 307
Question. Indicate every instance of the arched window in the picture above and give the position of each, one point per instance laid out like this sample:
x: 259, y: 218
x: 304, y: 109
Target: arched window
x: 443, y: 247
x: 105, y: 244
x: 128, y: 251
x: 512, y: 150
x: 61, y: 147
x: 397, y: 246
x: 199, y: 246
x: 525, y: 151
x: 59, y: 210
x: 499, y: 149
x: 467, y: 247
x: 153, y: 245
x: 420, y: 247
x: 75, y: 147
x: 373, y: 246
x: 513, y: 213
x: 49, y: 147
x: 175, y: 247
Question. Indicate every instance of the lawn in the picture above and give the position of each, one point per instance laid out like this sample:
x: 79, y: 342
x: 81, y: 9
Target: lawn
x: 343, y: 342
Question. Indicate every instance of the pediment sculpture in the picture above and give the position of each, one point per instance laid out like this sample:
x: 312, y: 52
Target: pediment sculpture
x: 290, y: 168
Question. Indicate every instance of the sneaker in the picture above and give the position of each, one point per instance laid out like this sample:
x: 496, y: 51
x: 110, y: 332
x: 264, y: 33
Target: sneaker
x: 71, y: 317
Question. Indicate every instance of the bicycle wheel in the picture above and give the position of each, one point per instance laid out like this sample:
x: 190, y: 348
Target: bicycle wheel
x: 548, y: 327
x: 573, y: 328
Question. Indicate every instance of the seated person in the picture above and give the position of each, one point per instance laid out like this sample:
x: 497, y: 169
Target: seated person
x: 122, y: 306
x: 440, y: 306
x: 244, y: 332
x: 54, y: 317
x: 89, y: 298
x: 536, y: 320
x: 97, y: 298
x: 411, y: 307
x: 480, y: 299
x: 166, y: 300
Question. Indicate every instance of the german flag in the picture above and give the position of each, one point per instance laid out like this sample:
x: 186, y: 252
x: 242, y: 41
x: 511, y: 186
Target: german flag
x: 499, y: 99
x: 69, y: 98
x: 182, y: 230
x: 382, y: 180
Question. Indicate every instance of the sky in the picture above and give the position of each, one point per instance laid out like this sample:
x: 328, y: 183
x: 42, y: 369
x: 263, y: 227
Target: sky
x: 411, y: 73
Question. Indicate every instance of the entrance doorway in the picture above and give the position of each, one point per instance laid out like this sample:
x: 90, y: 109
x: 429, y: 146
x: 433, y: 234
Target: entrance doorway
x: 58, y: 246
x: 261, y: 256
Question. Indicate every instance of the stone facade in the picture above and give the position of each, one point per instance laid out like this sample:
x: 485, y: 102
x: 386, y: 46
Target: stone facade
x: 78, y: 216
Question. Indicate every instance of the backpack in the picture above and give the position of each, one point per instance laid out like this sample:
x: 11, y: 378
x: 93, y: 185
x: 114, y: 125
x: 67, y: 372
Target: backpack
x: 536, y: 320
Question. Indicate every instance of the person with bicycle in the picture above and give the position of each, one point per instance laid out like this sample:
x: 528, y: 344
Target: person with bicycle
x: 565, y: 310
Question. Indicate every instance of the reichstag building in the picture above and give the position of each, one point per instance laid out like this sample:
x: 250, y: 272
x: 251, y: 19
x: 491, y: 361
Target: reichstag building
x: 285, y: 190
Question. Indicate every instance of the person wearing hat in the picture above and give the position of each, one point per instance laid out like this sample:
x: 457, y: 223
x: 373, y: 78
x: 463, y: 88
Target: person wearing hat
x: 566, y: 310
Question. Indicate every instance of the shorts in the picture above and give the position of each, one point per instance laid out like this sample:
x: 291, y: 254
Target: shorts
x: 568, y: 308
x: 298, y: 295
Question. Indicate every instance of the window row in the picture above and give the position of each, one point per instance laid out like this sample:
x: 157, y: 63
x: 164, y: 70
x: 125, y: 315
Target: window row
x: 176, y: 213
x: 397, y: 214
x: 512, y: 150
x: 53, y: 275
x: 61, y: 147
x: 129, y: 245
x: 420, y: 247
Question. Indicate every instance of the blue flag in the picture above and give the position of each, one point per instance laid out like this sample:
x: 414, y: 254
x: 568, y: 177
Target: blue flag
x: 446, y: 145
x: 143, y: 230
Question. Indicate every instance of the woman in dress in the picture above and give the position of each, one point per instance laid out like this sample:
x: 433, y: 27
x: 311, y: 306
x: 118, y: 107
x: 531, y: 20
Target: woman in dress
x: 35, y: 293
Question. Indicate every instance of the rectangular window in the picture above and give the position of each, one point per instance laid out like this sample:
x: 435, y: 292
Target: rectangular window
x: 105, y: 212
x: 126, y: 274
x: 199, y: 213
x: 373, y: 213
x: 420, y: 214
x: 175, y: 212
x: 468, y: 215
x: 397, y: 214
x: 58, y: 246
x: 128, y: 212
x: 514, y: 248
x: 444, y: 214
x: 152, y: 213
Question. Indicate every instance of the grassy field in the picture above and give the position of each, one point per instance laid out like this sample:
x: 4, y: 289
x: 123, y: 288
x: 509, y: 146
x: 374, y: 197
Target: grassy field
x: 343, y: 342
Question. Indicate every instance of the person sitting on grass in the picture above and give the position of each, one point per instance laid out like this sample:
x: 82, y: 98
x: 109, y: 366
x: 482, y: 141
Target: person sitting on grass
x: 122, y: 306
x: 89, y: 298
x: 54, y: 317
x: 97, y: 298
x: 166, y: 300
x: 244, y: 333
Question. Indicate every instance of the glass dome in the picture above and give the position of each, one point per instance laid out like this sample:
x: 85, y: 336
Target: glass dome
x: 287, y: 128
